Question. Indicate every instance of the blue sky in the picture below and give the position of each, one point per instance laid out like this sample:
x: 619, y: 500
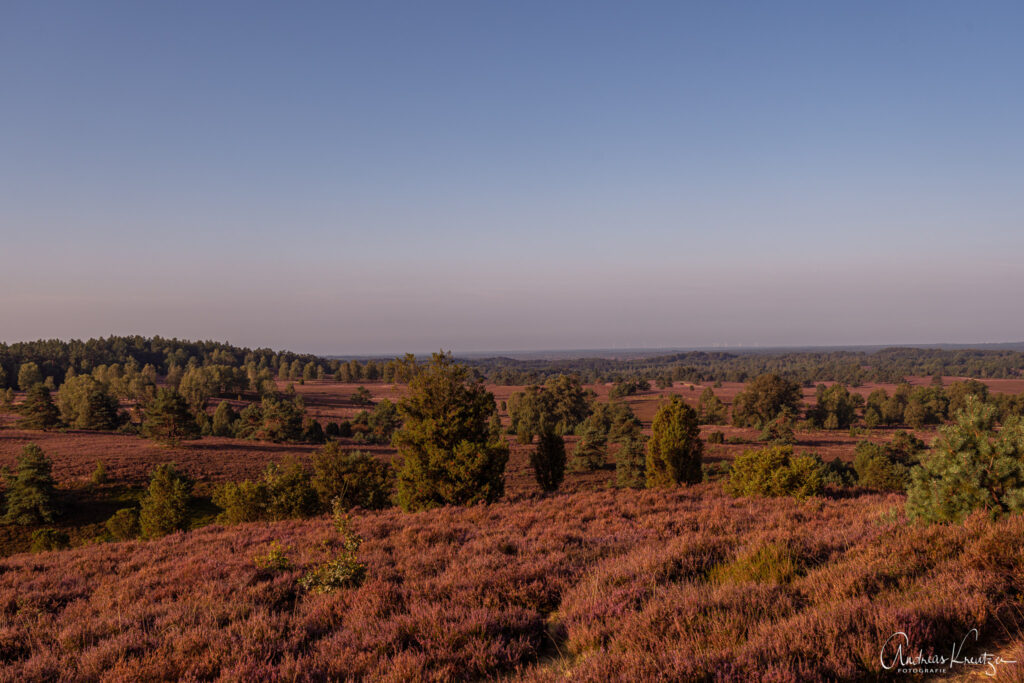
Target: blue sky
x: 402, y: 176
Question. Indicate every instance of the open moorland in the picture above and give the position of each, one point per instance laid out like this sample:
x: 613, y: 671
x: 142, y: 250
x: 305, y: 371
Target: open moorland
x: 595, y: 580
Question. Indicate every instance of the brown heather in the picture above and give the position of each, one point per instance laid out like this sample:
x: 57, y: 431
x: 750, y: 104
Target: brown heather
x: 676, y: 584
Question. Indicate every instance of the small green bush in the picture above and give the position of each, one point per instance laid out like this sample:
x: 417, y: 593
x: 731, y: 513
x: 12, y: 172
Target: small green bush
x: 49, y: 539
x: 776, y: 471
x: 99, y: 475
x: 274, y: 560
x: 343, y: 571
x: 123, y: 525
x: 354, y: 478
x: 716, y: 437
x: 714, y: 471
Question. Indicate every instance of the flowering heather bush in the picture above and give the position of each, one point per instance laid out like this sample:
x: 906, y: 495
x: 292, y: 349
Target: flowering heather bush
x: 616, y: 584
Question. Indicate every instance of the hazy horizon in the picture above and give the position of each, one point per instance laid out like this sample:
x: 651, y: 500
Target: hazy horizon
x: 371, y: 180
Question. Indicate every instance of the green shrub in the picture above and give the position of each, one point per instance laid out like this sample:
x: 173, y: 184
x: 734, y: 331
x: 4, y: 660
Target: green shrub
x: 548, y: 460
x: 123, y: 525
x: 344, y: 570
x: 284, y: 491
x: 877, y: 469
x: 779, y: 430
x: 716, y: 437
x: 275, y: 560
x: 99, y: 475
x: 352, y: 478
x: 165, y: 506
x: 49, y: 539
x: 839, y: 474
x: 776, y: 471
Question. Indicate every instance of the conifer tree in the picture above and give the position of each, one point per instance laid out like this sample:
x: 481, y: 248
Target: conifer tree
x: 38, y: 410
x: 675, y: 450
x: 30, y: 492
x: 169, y: 420
x: 450, y: 454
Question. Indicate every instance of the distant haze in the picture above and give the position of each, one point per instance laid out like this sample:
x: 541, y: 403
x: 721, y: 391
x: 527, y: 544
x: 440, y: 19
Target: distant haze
x: 355, y: 178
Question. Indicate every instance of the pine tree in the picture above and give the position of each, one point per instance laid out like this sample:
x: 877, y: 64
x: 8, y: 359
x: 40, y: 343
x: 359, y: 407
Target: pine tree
x: 165, y: 507
x: 675, y: 450
x: 38, y: 410
x: 450, y: 454
x: 972, y: 467
x: 168, y: 419
x: 30, y: 492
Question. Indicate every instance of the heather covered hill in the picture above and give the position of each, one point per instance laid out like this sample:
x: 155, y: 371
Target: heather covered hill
x: 601, y: 585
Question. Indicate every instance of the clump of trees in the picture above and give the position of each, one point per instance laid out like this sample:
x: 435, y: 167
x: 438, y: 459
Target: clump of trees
x: 763, y: 400
x: 450, y: 452
x: 971, y: 467
x: 272, y: 419
x: 85, y: 403
x: 836, y: 407
x: 776, y: 471
x: 561, y: 400
x: 675, y: 451
x: 710, y: 408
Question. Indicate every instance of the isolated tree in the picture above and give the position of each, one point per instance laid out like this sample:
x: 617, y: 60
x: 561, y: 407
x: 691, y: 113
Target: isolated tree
x: 165, y: 506
x: 29, y: 375
x: 86, y: 404
x: 30, y: 492
x: 675, y: 451
x: 169, y: 420
x: 763, y: 399
x: 37, y: 410
x: 548, y: 460
x: 450, y: 454
x: 710, y: 408
x: 361, y: 397
x: 971, y: 467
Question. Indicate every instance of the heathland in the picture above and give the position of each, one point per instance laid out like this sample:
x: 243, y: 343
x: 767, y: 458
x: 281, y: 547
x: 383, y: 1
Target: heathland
x: 327, y: 519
